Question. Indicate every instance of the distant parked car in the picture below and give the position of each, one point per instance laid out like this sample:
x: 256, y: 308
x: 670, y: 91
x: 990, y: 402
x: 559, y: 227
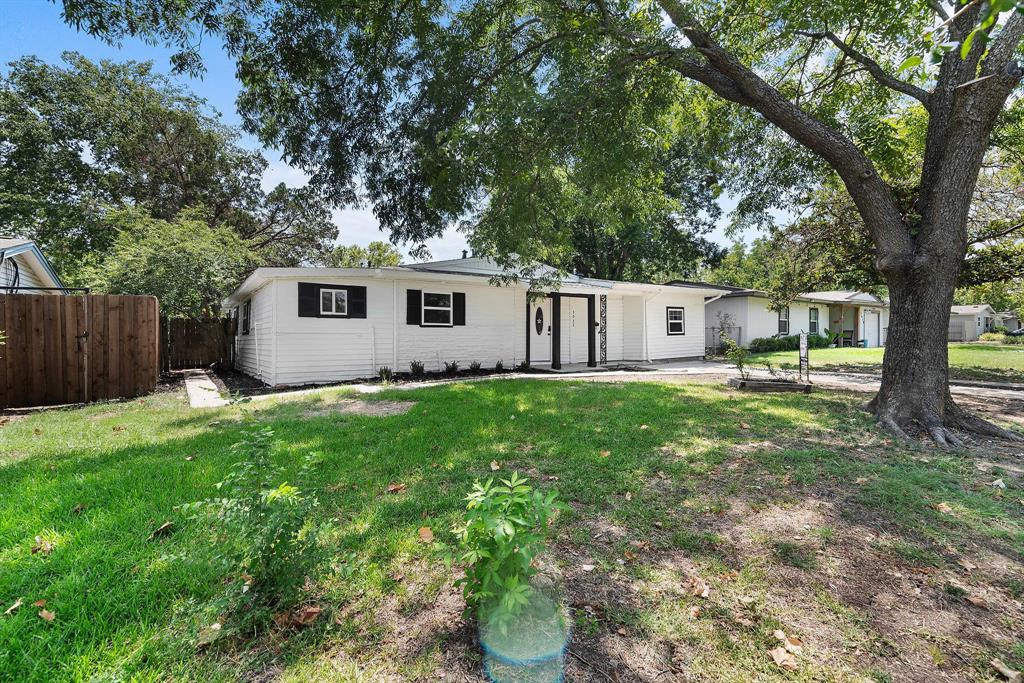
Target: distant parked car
x: 1016, y: 333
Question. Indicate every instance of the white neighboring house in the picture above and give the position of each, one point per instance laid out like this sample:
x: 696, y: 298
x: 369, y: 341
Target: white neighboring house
x: 316, y: 325
x: 24, y: 269
x: 1010, y: 320
x: 857, y: 318
x: 967, y: 323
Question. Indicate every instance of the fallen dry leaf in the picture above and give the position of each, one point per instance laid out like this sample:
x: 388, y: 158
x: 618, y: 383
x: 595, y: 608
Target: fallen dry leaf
x: 37, y: 432
x: 695, y: 612
x: 495, y: 466
x: 304, y: 616
x: 587, y: 567
x: 119, y: 428
x: 944, y: 508
x: 998, y: 483
x: 742, y: 620
x: 699, y: 588
x: 644, y: 427
x: 42, y: 546
x: 12, y: 608
x: 783, y: 658
x: 621, y: 631
x: 39, y: 603
x: 426, y: 535
x: 552, y: 478
x: 629, y: 495
x: 209, y: 634
x: 977, y: 601
x: 46, y: 615
x: 789, y: 643
x: 629, y: 555
x: 396, y: 487
x: 605, y: 454
x: 163, y: 530
x: 860, y: 480
x: 744, y: 425
x: 967, y: 564
x: 189, y: 458
x: 78, y: 509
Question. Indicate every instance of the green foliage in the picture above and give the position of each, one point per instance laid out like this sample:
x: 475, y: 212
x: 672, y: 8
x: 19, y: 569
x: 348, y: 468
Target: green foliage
x: 503, y: 532
x: 149, y: 145
x: 1014, y: 341
x: 499, y: 366
x: 993, y: 336
x: 416, y: 368
x: 262, y: 533
x: 385, y: 374
x: 187, y: 263
x: 451, y: 367
x: 376, y: 254
x: 737, y: 355
x: 475, y: 366
x: 790, y: 343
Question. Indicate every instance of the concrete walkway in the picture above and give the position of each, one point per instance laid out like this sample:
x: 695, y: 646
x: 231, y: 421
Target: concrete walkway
x: 202, y: 392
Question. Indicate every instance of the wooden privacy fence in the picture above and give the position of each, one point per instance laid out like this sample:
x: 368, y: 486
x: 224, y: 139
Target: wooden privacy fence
x: 76, y: 349
x: 186, y: 343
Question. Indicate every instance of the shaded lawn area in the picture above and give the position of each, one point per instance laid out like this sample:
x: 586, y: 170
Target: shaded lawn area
x: 979, y: 361
x: 889, y: 562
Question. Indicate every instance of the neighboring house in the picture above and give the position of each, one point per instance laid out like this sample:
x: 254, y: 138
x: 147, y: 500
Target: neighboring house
x: 314, y: 325
x: 967, y: 323
x: 1010, y: 320
x: 24, y: 269
x: 856, y: 317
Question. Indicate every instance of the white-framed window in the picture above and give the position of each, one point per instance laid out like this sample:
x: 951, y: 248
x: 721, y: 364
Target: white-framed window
x: 675, y: 319
x: 784, y: 320
x: 812, y: 326
x: 436, y: 309
x: 246, y: 316
x: 333, y: 302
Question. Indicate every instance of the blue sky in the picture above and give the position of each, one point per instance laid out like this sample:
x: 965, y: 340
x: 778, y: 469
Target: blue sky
x: 34, y: 27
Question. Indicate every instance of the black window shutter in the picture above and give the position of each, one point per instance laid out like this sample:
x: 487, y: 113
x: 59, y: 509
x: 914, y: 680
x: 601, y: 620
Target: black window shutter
x: 458, y: 308
x: 309, y: 300
x: 413, y: 300
x: 356, y: 302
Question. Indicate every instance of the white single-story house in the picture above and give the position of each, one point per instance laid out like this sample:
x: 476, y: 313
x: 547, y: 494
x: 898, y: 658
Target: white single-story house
x: 315, y: 325
x: 967, y: 323
x: 1010, y: 320
x: 24, y: 269
x: 857, y: 318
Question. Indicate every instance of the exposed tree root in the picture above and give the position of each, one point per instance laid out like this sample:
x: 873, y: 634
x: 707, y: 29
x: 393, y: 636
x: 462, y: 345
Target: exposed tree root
x: 940, y: 430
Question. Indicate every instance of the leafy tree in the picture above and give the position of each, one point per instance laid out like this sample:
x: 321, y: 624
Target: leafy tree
x: 376, y: 254
x: 441, y: 107
x: 78, y: 138
x: 187, y: 263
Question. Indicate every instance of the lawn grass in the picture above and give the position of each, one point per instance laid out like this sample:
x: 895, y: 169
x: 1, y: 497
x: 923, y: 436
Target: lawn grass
x: 977, y: 361
x: 788, y: 506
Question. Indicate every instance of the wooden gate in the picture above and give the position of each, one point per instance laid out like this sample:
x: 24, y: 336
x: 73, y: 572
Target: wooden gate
x: 187, y: 343
x: 75, y: 349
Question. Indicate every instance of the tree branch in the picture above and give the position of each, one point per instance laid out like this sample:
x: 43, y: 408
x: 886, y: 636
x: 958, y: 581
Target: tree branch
x: 873, y: 67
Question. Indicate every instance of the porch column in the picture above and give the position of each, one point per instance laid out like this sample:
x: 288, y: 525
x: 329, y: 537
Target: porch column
x: 591, y: 330
x: 556, y: 331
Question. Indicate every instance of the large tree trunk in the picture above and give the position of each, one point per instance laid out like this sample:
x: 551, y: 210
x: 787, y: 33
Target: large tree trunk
x: 914, y: 395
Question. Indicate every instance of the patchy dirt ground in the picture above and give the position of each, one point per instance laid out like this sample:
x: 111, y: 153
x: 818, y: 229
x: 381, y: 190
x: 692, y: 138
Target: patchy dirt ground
x: 353, y: 406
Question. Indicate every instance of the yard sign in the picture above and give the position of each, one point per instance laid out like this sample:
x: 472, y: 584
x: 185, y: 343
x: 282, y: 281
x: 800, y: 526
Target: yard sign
x: 805, y: 363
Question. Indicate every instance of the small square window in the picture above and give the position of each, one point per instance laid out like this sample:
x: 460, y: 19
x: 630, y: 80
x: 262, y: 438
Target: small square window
x: 675, y: 318
x: 333, y: 302
x: 437, y: 309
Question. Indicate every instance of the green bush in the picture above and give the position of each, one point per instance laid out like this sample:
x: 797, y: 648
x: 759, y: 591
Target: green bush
x: 1014, y: 341
x: 451, y: 367
x: 504, y: 530
x: 385, y: 374
x: 260, y: 528
x: 416, y: 368
x: 1000, y: 329
x: 737, y: 355
x: 790, y: 343
x: 992, y: 337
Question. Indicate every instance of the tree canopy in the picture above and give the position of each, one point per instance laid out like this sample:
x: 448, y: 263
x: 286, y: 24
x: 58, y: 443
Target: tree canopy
x: 376, y: 254
x: 80, y: 141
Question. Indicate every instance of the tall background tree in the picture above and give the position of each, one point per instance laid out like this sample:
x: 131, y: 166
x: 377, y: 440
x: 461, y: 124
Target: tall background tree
x: 439, y: 108
x: 82, y: 142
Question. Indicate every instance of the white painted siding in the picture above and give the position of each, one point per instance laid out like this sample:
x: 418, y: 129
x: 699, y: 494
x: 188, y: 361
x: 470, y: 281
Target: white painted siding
x: 632, y: 328
x: 254, y: 352
x: 614, y: 334
x: 662, y: 345
x: 27, y: 276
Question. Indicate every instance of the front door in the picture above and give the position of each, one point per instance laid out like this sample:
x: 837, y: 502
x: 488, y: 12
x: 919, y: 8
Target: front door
x: 540, y: 332
x: 870, y: 327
